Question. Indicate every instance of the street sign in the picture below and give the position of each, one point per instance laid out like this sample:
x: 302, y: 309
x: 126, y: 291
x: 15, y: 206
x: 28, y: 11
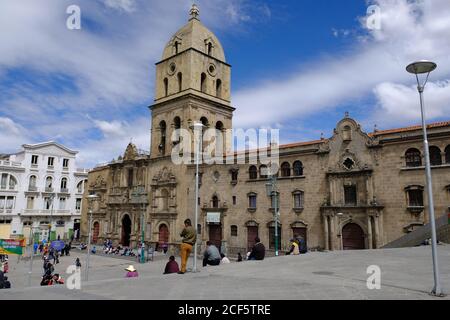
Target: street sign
x: 12, y: 246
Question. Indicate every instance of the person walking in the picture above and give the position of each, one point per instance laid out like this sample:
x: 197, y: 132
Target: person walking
x: 189, y: 236
x: 171, y: 266
x: 258, y: 251
x: 211, y: 255
x: 78, y: 263
x: 239, y: 257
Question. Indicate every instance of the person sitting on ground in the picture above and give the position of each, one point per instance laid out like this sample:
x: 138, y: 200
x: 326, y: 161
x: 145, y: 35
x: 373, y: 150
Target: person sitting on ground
x: 83, y: 246
x: 171, y: 266
x: 211, y: 255
x: 302, y: 245
x: 258, y: 251
x: 294, y: 250
x: 5, y: 266
x: 239, y: 257
x: 132, y: 272
x: 94, y: 250
x: 57, y: 279
x: 47, y: 280
x: 4, y: 283
x: 224, y: 260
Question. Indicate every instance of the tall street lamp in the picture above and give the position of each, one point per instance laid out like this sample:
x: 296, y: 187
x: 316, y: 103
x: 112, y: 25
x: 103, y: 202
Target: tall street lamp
x: 91, y: 199
x: 31, y: 255
x: 198, y: 138
x: 271, y: 189
x: 416, y: 68
x: 140, y: 196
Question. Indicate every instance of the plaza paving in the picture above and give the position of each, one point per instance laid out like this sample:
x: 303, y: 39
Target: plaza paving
x: 406, y: 274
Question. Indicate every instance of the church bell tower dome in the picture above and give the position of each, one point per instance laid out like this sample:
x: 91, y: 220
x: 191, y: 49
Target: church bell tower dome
x: 194, y: 35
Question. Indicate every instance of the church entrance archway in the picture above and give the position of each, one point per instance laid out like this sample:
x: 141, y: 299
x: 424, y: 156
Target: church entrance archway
x: 353, y: 237
x: 126, y: 231
x: 96, y: 232
x: 215, y: 235
x: 163, y: 235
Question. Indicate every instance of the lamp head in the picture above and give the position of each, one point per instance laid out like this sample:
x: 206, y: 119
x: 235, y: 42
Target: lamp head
x: 422, y: 66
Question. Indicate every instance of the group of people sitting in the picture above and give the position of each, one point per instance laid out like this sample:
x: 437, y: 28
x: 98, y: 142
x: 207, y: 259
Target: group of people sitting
x: 4, y: 268
x: 298, y: 246
x: 48, y: 277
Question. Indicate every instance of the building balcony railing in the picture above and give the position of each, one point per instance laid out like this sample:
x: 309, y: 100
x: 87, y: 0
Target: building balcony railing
x: 6, y: 163
x: 47, y: 189
x: 45, y: 212
x: 32, y: 188
x: 6, y: 210
x: 64, y: 190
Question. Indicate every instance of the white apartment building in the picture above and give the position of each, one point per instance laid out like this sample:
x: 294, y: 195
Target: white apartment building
x: 41, y: 192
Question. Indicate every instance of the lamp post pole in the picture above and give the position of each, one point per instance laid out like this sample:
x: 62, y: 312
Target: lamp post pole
x: 274, y: 181
x: 426, y: 67
x: 197, y: 136
x: 142, y: 233
x: 90, y: 199
x: 31, y: 256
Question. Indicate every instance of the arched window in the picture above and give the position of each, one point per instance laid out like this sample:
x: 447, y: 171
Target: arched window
x: 80, y: 187
x: 286, y: 169
x: 298, y: 168
x: 203, y: 82
x: 165, y: 199
x: 204, y: 122
x: 49, y: 184
x: 32, y: 183
x: 435, y: 156
x: 162, y: 145
x: 253, y: 173
x: 176, y: 46
x: 413, y: 158
x: 234, y: 231
x: 166, y: 87
x: 447, y: 154
x: 299, y: 198
x: 180, y: 81
x: 219, y: 125
x: 177, y: 123
x: 263, y: 171
x: 63, y: 183
x: 8, y: 181
x: 219, y: 88
x: 215, y: 202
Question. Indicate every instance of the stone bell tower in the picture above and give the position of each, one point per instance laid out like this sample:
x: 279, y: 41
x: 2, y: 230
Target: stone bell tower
x: 192, y: 85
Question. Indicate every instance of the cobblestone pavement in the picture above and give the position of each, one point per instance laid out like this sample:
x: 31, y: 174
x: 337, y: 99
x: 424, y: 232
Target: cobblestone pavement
x: 405, y: 274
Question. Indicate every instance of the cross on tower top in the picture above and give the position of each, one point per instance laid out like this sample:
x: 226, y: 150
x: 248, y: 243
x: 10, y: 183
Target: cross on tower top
x: 194, y: 12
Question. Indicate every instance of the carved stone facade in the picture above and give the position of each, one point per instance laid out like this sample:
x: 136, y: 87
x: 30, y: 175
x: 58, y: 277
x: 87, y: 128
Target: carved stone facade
x: 354, y: 190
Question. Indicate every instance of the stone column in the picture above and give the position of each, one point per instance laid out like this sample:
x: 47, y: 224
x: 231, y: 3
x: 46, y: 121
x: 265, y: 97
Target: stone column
x: 332, y: 233
x: 369, y: 232
x: 377, y: 232
x: 326, y: 233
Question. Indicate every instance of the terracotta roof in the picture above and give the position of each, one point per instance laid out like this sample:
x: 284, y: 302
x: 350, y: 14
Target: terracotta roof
x: 411, y: 128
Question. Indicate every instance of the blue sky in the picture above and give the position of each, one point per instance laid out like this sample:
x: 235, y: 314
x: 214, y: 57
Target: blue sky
x: 299, y: 65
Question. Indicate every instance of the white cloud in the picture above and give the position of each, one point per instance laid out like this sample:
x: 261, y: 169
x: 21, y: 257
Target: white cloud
x: 126, y: 5
x: 397, y: 101
x: 12, y: 135
x: 410, y: 30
